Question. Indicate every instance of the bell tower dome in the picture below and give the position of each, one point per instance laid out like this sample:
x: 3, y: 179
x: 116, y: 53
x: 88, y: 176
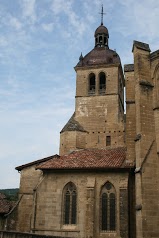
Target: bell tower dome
x: 101, y: 37
x: 101, y: 34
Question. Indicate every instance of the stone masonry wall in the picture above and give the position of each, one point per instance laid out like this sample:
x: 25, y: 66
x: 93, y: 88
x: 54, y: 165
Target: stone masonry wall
x: 28, y: 182
x: 82, y: 79
x: 72, y: 140
x: 155, y: 77
x: 130, y: 115
x: 147, y: 208
x: 101, y: 115
x: 99, y: 118
x: 49, y: 204
x: 67, y: 142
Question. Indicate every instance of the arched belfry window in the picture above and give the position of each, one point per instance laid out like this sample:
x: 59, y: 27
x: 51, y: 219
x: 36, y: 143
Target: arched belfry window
x: 100, y: 39
x: 105, y: 41
x: 69, y: 204
x: 108, y: 208
x: 102, y: 83
x: 92, y: 84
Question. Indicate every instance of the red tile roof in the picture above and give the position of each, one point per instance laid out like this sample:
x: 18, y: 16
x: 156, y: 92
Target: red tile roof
x: 89, y: 159
x: 36, y: 162
x: 4, y: 204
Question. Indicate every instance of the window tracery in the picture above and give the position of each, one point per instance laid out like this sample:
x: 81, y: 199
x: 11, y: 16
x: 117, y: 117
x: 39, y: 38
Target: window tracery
x: 108, y: 208
x: 70, y: 206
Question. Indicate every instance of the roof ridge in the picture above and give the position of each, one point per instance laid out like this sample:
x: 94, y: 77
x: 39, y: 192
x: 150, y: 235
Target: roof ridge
x: 36, y: 162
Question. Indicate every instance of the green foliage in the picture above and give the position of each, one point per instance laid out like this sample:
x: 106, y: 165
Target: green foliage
x: 11, y: 194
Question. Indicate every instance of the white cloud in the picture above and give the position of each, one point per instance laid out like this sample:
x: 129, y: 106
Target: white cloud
x: 66, y: 7
x: 141, y: 19
x: 59, y: 6
x: 3, y: 41
x: 48, y: 27
x: 8, y: 20
x: 28, y: 8
x: 14, y: 22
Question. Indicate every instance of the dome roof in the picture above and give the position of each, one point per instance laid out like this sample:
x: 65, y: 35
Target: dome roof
x: 99, y: 55
x: 101, y: 30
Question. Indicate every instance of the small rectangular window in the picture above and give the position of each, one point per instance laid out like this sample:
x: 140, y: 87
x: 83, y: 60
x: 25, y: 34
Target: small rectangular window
x: 108, y: 140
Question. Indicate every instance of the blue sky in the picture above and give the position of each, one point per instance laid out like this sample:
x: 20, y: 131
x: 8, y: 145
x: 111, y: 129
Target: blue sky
x: 40, y: 43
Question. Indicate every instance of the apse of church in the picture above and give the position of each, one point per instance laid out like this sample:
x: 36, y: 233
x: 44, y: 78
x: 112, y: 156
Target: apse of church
x: 105, y: 182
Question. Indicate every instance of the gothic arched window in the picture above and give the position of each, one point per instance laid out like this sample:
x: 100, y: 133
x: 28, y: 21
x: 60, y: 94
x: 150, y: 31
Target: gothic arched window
x: 92, y: 84
x: 108, y: 208
x: 102, y: 83
x: 70, y: 206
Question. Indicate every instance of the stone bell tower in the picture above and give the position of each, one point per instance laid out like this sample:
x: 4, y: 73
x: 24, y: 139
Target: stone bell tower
x: 98, y: 120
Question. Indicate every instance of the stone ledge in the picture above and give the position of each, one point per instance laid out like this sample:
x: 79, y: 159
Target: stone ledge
x: 141, y: 45
x: 130, y: 102
x: 146, y: 83
x: 154, y: 55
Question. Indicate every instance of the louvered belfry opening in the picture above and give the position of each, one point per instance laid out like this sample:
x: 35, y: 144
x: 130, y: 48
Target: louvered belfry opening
x: 102, y: 83
x: 92, y: 84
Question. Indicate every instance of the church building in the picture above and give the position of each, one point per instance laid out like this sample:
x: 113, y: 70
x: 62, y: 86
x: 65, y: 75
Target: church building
x: 105, y: 180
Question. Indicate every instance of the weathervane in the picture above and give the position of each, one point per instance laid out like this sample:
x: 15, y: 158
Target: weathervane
x: 102, y: 13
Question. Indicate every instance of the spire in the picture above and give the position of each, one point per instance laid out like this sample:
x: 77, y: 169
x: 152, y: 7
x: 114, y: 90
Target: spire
x: 102, y: 13
x: 101, y: 34
x: 81, y: 57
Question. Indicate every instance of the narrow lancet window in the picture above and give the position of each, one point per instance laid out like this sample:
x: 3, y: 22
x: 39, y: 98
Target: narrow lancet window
x: 112, y: 211
x: 67, y: 206
x: 92, y: 84
x: 102, y: 83
x: 104, y: 211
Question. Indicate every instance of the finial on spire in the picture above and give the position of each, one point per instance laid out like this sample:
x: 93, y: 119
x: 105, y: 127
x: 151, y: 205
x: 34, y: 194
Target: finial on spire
x: 102, y: 13
x: 81, y: 57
